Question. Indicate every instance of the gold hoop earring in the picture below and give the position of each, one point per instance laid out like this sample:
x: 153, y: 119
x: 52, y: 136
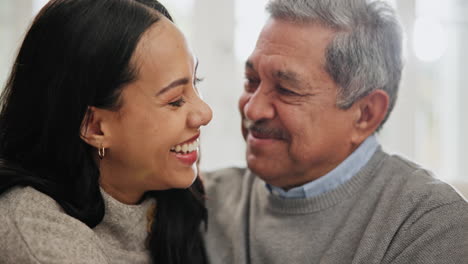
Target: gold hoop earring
x: 101, y: 152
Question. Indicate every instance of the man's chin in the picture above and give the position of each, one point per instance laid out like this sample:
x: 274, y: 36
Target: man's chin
x: 266, y: 170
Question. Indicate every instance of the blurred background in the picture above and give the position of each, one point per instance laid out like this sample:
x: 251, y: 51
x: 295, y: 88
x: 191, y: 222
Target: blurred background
x: 427, y: 126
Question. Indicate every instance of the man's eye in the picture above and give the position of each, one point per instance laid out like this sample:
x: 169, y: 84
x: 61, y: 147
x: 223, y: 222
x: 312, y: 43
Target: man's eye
x: 178, y: 103
x: 251, y: 84
x: 285, y: 91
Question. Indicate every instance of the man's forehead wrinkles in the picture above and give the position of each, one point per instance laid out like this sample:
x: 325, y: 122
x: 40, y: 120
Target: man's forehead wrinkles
x: 277, y: 67
x: 271, y: 63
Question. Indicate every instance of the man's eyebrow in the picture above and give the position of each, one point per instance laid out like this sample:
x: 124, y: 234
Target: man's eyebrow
x: 182, y: 81
x: 288, y: 76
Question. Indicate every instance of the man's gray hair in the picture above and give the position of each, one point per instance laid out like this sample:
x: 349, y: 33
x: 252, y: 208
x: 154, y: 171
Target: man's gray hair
x: 366, y: 53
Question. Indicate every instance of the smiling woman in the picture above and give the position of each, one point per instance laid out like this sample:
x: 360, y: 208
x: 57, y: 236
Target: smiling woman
x: 159, y: 110
x: 100, y: 122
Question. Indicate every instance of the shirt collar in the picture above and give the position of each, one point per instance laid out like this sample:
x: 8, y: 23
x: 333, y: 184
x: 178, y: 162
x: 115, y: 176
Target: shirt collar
x: 339, y: 175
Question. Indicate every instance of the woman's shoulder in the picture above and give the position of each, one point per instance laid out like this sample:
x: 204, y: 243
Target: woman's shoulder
x: 35, y: 229
x: 22, y: 198
x: 21, y: 202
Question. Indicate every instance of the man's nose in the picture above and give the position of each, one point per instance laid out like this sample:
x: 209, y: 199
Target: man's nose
x: 259, y: 105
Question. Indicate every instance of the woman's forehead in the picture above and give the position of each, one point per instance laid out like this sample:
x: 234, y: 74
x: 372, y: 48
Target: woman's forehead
x: 161, y: 46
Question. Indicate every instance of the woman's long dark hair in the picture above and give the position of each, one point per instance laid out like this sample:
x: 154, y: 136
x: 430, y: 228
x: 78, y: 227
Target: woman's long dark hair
x: 77, y: 54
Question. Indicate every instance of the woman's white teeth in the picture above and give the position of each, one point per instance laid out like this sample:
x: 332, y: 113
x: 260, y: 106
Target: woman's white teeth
x: 186, y: 148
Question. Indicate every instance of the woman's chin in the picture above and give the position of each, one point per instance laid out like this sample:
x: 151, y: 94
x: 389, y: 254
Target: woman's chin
x: 186, y: 179
x: 191, y: 179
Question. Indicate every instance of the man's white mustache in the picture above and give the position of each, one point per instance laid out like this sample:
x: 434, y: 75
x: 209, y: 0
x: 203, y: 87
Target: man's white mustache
x: 262, y: 127
x: 247, y: 123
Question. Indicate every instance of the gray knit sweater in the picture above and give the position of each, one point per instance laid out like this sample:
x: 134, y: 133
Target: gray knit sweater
x: 392, y: 211
x: 34, y: 229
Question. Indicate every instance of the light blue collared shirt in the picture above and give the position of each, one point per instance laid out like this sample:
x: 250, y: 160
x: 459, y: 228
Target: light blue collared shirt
x: 339, y: 175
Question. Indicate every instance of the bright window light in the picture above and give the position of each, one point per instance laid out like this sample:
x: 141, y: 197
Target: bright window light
x: 180, y: 7
x: 250, y: 18
x: 37, y: 5
x: 430, y: 40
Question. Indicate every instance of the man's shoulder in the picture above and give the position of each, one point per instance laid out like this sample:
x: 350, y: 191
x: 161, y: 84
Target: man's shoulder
x: 227, y: 175
x: 421, y: 211
x: 417, y: 179
x: 414, y: 186
x: 232, y: 181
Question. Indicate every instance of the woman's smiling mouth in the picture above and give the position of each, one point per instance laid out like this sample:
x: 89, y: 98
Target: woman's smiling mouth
x: 187, y: 152
x: 187, y: 146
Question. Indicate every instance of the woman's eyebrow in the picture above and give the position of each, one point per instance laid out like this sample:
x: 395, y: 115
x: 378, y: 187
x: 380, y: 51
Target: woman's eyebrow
x: 178, y: 82
x: 196, y: 65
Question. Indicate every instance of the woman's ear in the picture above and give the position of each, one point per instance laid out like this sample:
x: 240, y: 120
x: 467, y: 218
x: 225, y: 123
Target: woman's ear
x: 91, y: 128
x: 372, y: 110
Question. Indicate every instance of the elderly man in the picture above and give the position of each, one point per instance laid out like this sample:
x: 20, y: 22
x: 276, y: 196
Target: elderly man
x: 321, y: 81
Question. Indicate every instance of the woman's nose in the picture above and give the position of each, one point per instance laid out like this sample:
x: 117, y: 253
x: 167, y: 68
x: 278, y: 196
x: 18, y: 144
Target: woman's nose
x: 201, y: 114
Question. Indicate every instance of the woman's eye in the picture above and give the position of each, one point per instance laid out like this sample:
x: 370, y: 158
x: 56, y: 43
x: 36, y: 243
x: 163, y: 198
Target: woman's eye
x: 197, y: 81
x: 178, y: 103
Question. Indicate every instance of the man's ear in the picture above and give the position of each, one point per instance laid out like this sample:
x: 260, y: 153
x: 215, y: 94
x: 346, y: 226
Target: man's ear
x: 92, y: 128
x: 371, y: 111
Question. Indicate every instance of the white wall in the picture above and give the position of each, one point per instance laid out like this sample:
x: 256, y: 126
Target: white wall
x: 14, y: 19
x: 213, y: 43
